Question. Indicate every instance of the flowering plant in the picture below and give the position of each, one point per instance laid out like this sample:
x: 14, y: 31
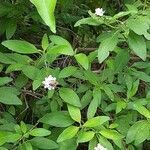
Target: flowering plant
x: 61, y: 93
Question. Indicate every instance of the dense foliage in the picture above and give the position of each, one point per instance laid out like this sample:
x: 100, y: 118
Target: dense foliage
x: 72, y: 78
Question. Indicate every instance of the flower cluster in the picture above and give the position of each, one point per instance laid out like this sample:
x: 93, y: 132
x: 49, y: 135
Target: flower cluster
x: 100, y: 147
x: 99, y: 11
x: 50, y: 82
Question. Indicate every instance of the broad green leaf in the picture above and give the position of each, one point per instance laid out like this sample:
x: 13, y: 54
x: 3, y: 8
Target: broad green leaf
x: 92, y: 143
x: 108, y: 92
x: 28, y: 146
x: 31, y: 72
x: 85, y: 136
x: 111, y: 134
x: 105, y: 142
x: 121, y: 14
x: 40, y: 132
x: 58, y: 40
x: 75, y: 113
x: 65, y: 145
x: 8, y: 97
x: 141, y: 75
x: 6, y: 60
x: 92, y: 77
x: 139, y: 132
x: 142, y: 110
x: 86, y: 99
x: 5, y: 80
x: 60, y: 49
x: 142, y: 134
x: 19, y: 58
x: 8, y: 137
x: 67, y: 72
x: 121, y: 60
x: 3, y: 148
x: 46, y: 10
x: 43, y: 143
x: 105, y: 48
x: 57, y: 119
x: 94, y: 103
x: 23, y: 127
x: 20, y: 46
x: 138, y: 45
x: 139, y: 25
x: 96, y: 121
x: 62, y: 46
x: 89, y: 21
x: 11, y: 138
x: 120, y: 106
x: 70, y: 97
x: 82, y: 59
x: 68, y: 133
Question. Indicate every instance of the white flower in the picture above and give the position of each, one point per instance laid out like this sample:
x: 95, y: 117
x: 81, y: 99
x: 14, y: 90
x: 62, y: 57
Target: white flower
x: 50, y: 82
x: 100, y: 147
x: 99, y: 11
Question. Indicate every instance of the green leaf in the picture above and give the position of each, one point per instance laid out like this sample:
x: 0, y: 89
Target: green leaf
x: 141, y: 75
x: 45, y: 42
x: 139, y: 25
x: 23, y: 127
x: 28, y: 146
x: 11, y: 28
x: 31, y: 72
x: 8, y: 97
x: 40, y: 132
x: 138, y: 45
x: 92, y: 77
x: 62, y: 46
x: 68, y: 133
x: 138, y: 132
x: 5, y: 80
x: 57, y: 119
x: 67, y: 72
x: 86, y: 99
x: 111, y: 134
x: 3, y: 148
x: 96, y: 121
x: 46, y: 10
x: 121, y: 60
x: 20, y: 46
x: 108, y: 92
x: 6, y: 60
x: 142, y: 110
x: 74, y: 112
x: 105, y: 142
x: 60, y: 49
x: 120, y: 106
x: 70, y: 97
x: 65, y: 145
x: 89, y: 21
x: 94, y: 103
x: 82, y: 59
x: 85, y: 136
x: 105, y: 48
x: 58, y: 40
x: 43, y: 143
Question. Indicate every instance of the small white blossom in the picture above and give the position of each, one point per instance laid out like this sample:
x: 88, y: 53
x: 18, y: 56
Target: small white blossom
x: 100, y: 147
x: 50, y: 82
x: 99, y: 11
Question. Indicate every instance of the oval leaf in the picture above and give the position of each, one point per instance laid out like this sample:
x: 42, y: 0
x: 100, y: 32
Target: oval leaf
x: 68, y: 133
x: 20, y: 46
x: 70, y: 97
